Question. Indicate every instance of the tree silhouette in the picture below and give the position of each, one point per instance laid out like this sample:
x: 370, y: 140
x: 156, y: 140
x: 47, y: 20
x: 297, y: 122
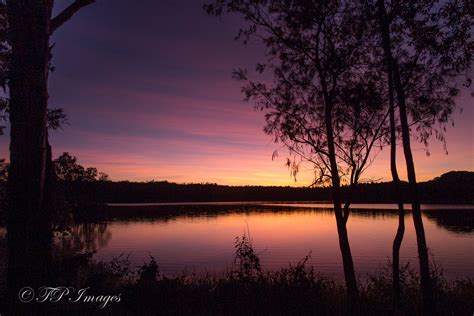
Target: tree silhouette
x: 324, y: 103
x: 397, y: 192
x: 426, y: 45
x: 391, y: 139
x: 29, y: 27
x: 102, y: 176
x: 67, y: 169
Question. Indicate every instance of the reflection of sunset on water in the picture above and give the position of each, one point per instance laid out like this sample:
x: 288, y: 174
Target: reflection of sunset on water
x: 205, y: 243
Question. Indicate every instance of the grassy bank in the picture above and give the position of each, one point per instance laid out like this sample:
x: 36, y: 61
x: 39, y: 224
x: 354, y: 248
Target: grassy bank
x: 296, y: 290
x: 245, y: 290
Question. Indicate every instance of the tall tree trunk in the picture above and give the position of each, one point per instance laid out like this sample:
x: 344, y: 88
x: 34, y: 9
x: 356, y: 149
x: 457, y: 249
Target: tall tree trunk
x: 426, y: 284
x: 348, y: 264
x: 28, y: 221
x: 416, y: 210
x: 397, y: 242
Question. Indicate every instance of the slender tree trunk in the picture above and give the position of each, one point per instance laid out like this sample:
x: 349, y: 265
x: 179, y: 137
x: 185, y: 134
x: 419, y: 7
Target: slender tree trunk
x: 348, y: 264
x: 28, y: 221
x: 397, y: 242
x: 416, y: 210
x: 426, y: 284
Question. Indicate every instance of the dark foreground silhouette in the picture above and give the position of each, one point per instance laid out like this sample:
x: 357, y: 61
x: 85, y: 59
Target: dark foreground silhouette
x: 245, y: 290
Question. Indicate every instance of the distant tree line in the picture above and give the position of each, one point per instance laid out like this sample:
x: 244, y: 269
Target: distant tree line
x: 453, y: 187
x: 90, y: 187
x: 82, y: 189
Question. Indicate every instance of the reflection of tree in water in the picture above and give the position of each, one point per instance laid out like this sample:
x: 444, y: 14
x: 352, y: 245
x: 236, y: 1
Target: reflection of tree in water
x: 72, y: 251
x: 455, y: 220
x: 84, y: 237
x: 165, y: 213
x: 458, y: 221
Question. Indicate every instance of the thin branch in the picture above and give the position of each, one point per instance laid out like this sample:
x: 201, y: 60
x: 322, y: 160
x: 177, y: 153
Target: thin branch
x: 67, y: 14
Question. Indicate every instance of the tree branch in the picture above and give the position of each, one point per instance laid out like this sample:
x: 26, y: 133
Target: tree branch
x: 67, y: 14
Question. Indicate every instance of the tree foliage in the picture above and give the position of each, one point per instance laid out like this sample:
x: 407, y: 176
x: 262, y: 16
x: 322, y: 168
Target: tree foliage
x: 323, y: 100
x: 56, y: 118
x: 319, y: 56
x: 312, y: 44
x: 67, y: 169
x: 432, y: 44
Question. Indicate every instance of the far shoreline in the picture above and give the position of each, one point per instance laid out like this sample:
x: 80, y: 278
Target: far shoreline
x: 300, y: 204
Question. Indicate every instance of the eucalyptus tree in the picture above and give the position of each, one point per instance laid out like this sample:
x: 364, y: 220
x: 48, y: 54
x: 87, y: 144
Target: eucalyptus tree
x: 323, y: 101
x: 392, y: 134
x: 427, y: 45
x: 397, y: 191
x: 29, y: 25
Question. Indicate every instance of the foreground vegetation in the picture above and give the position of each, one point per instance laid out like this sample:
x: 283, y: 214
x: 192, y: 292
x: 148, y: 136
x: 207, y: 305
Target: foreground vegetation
x: 244, y: 290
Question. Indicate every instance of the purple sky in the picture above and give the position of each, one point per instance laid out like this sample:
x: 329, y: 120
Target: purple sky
x: 149, y: 95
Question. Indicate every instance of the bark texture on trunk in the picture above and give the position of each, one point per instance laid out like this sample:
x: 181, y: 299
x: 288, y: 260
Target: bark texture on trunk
x: 426, y: 284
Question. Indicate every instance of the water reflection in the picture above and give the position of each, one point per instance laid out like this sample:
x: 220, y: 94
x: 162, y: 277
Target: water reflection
x: 456, y: 218
x: 83, y: 237
x: 461, y: 221
x: 200, y: 237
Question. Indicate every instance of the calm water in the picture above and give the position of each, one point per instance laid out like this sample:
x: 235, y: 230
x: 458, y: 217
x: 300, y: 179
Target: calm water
x: 202, y: 240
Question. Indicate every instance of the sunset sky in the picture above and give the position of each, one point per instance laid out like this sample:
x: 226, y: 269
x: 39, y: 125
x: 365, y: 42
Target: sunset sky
x: 149, y: 95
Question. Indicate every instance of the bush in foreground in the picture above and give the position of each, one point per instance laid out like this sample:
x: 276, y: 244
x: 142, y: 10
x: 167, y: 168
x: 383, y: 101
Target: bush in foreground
x: 245, y: 290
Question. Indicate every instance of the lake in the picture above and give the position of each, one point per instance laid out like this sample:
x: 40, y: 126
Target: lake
x: 200, y: 237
